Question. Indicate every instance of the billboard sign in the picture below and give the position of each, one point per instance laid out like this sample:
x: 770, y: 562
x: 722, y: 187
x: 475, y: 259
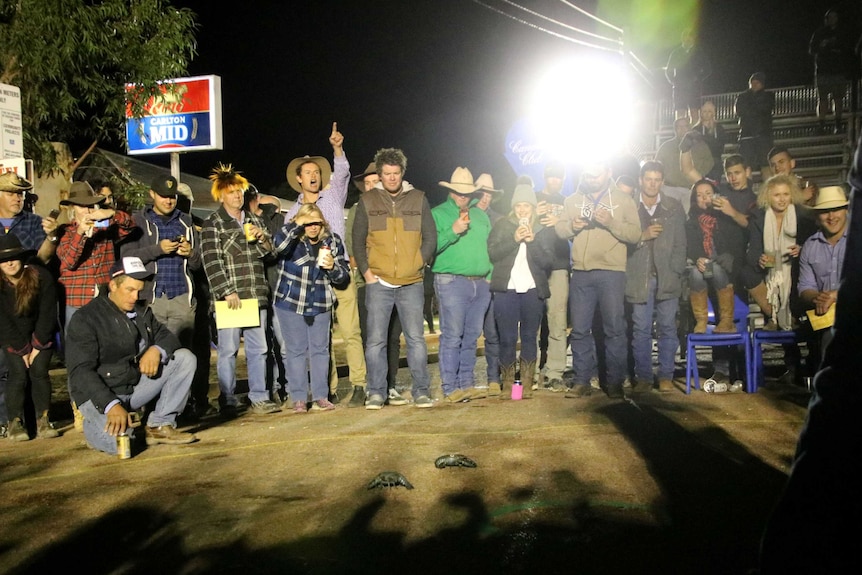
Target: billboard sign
x: 183, y: 120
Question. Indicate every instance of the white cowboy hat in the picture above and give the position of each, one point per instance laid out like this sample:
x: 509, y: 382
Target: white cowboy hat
x: 831, y: 197
x: 461, y: 183
x: 486, y: 184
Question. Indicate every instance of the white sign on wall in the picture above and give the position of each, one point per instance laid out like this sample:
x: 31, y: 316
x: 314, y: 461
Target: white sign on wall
x: 11, y: 130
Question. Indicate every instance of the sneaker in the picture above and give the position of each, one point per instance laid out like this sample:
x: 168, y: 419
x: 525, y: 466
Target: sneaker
x: 395, y: 398
x: 358, y: 397
x: 627, y: 383
x: 300, y: 407
x: 423, y: 401
x: 374, y: 401
x: 264, y: 407
x: 579, y: 390
x: 665, y: 385
x: 478, y: 392
x: 168, y: 435
x: 44, y: 429
x: 228, y: 411
x: 457, y: 396
x: 594, y: 382
x: 557, y: 386
x: 16, y: 430
x: 322, y: 405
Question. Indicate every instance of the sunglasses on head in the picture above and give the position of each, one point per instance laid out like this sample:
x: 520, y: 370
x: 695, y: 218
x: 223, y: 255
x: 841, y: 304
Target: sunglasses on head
x: 309, y: 224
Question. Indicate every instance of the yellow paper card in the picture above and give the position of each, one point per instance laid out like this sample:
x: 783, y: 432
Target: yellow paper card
x: 819, y: 322
x: 246, y: 316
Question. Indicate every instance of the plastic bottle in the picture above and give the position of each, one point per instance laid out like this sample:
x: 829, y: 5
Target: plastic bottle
x: 517, y: 390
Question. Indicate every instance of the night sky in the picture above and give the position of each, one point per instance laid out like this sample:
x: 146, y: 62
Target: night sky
x: 442, y: 79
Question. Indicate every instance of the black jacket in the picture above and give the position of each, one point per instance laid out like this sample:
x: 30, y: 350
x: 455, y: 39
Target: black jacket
x: 502, y: 249
x: 103, y: 347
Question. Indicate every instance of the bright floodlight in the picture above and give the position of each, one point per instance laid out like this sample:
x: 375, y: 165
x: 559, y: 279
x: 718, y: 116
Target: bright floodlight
x: 582, y: 108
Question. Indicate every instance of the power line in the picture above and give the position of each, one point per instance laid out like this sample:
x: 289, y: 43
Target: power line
x: 545, y: 30
x: 596, y: 18
x: 562, y: 24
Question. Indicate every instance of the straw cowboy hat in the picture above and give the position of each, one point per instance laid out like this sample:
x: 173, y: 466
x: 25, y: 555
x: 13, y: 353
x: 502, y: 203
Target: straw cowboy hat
x: 82, y: 194
x: 831, y: 197
x: 486, y: 184
x: 322, y: 163
x: 461, y: 183
x: 12, y: 182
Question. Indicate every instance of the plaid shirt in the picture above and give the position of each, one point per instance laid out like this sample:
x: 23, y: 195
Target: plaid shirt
x: 28, y: 227
x: 85, y: 263
x: 231, y: 263
x: 302, y: 286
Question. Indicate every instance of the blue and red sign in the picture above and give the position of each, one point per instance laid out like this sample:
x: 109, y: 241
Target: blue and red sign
x: 184, y: 119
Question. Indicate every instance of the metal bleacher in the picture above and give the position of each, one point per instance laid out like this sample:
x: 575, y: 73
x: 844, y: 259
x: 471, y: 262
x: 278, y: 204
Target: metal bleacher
x: 822, y: 158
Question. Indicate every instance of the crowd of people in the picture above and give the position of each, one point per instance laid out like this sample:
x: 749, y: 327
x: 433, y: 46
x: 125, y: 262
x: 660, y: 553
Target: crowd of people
x: 134, y: 300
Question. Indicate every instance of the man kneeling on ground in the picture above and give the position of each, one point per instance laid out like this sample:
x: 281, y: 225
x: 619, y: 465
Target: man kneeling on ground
x: 120, y: 358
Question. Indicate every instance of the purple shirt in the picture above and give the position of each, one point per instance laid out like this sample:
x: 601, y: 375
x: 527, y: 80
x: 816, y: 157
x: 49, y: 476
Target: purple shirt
x: 332, y: 199
x: 820, y: 263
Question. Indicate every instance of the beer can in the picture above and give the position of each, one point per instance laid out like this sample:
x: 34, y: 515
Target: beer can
x: 249, y: 236
x: 321, y: 254
x: 124, y: 446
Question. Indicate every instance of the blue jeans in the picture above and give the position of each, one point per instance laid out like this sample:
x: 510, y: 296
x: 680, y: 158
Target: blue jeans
x: 518, y: 315
x: 409, y: 300
x: 492, y: 344
x: 172, y: 387
x: 720, y: 278
x: 665, y: 327
x: 462, y: 304
x: 605, y: 290
x: 255, y: 357
x: 306, y: 344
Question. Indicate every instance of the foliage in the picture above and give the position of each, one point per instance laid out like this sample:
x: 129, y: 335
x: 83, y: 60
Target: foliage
x: 73, y: 58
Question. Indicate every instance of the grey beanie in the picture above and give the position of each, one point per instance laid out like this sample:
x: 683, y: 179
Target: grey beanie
x: 524, y: 193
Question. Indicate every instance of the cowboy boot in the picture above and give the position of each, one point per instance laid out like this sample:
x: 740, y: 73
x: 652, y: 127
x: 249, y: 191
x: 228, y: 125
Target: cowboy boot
x: 700, y: 310
x: 758, y: 294
x: 507, y: 376
x: 528, y: 372
x: 725, y: 311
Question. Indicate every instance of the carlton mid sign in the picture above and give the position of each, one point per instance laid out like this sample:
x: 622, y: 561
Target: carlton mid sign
x: 185, y: 118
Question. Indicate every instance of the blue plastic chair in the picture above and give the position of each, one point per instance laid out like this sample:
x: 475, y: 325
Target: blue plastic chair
x: 758, y: 338
x: 710, y: 339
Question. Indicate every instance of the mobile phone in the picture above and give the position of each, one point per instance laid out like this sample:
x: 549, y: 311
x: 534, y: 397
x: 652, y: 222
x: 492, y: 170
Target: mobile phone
x: 180, y: 238
x: 101, y: 223
x: 54, y: 213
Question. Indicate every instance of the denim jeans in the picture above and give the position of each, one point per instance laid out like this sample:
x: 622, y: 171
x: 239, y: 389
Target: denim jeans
x: 492, y: 344
x: 409, y: 301
x: 518, y: 315
x: 306, y: 340
x: 172, y: 387
x: 665, y: 327
x: 720, y: 278
x: 605, y: 290
x: 462, y: 303
x: 256, y: 349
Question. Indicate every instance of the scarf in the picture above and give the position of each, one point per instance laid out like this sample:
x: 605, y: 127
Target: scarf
x: 707, y: 226
x: 778, y: 280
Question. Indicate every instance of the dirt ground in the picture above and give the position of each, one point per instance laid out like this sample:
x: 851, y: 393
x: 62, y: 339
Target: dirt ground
x: 655, y: 483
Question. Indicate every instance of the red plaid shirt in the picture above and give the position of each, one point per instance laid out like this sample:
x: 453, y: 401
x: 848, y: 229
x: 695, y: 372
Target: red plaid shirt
x: 85, y: 263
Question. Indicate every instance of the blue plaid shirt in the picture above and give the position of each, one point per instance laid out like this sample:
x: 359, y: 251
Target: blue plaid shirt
x: 28, y: 227
x: 171, y: 279
x: 302, y: 286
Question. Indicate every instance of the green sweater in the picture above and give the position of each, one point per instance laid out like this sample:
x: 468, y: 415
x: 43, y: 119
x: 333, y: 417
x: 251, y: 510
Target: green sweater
x: 467, y: 254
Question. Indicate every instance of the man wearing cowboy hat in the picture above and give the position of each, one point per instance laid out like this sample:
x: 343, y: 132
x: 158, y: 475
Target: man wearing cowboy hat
x: 394, y: 238
x: 317, y: 183
x: 461, y: 267
x: 821, y: 261
x: 35, y: 233
x: 120, y: 358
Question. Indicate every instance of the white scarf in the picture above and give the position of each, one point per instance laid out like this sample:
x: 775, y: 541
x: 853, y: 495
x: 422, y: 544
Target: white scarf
x: 778, y: 280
